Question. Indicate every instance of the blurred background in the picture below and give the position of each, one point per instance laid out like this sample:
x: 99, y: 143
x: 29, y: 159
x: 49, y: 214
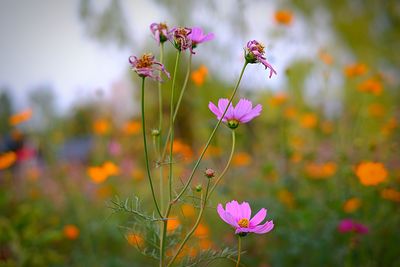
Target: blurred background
x: 323, y: 157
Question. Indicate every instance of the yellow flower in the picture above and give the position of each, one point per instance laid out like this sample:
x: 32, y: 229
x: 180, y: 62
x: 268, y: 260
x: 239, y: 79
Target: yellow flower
x: 354, y: 70
x: 241, y: 159
x: 71, y: 232
x: 101, y: 127
x: 351, y: 205
x: 391, y: 194
x: 371, y: 173
x: 7, y: 159
x: 20, y: 117
x: 284, y: 17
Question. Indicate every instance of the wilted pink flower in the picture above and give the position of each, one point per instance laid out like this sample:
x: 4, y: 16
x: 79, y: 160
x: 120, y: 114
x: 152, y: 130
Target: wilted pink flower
x: 242, y: 113
x: 146, y: 66
x: 348, y: 225
x: 255, y: 54
x: 238, y: 215
x: 197, y: 36
x: 180, y: 38
x: 160, y: 32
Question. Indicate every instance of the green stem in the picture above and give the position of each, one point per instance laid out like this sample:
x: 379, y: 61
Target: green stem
x: 178, y: 104
x: 171, y: 140
x: 189, y: 234
x: 210, y: 138
x: 239, y: 250
x: 146, y: 153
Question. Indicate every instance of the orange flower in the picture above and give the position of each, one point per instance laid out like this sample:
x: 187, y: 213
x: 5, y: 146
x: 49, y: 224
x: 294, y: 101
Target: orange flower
x: 388, y: 128
x: 172, y: 224
x: 290, y: 113
x: 326, y: 57
x: 20, y: 117
x: 284, y: 17
x: 71, y: 232
x: 188, y: 210
x: 320, y: 170
x: 241, y: 159
x: 286, y: 197
x: 7, y: 159
x: 97, y: 174
x: 351, y: 205
x: 183, y: 149
x: 278, y: 99
x: 137, y: 174
x: 135, y: 239
x: 296, y: 157
x: 391, y: 194
x: 212, y: 151
x: 110, y: 168
x: 371, y: 85
x: 371, y: 173
x: 132, y: 127
x: 354, y: 70
x: 198, y: 76
x: 327, y: 127
x: 308, y: 120
x: 205, y: 244
x: 101, y: 127
x: 201, y: 231
x: 376, y: 110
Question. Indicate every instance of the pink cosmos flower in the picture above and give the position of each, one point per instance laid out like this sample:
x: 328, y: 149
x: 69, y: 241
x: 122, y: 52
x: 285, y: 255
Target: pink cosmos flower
x: 238, y: 216
x: 348, y: 225
x: 255, y: 54
x: 180, y: 38
x: 146, y: 66
x: 242, y: 113
x: 160, y: 32
x: 197, y: 36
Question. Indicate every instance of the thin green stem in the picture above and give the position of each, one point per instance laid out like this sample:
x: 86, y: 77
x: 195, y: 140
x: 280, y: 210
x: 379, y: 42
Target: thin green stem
x: 178, y: 104
x: 239, y: 250
x: 211, y: 137
x: 189, y: 234
x: 171, y: 140
x: 160, y: 124
x: 146, y: 152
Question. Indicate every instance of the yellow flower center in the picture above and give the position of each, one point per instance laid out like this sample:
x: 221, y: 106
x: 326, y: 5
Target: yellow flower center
x: 145, y: 61
x: 260, y: 48
x: 244, y: 223
x: 163, y: 26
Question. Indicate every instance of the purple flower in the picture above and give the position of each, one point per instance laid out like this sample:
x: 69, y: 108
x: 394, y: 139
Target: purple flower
x: 197, y: 36
x: 255, y: 54
x: 238, y: 216
x: 348, y: 225
x: 180, y: 38
x: 160, y: 32
x: 146, y: 66
x: 242, y: 113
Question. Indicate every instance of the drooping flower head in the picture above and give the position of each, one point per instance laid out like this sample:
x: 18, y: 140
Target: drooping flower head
x: 179, y: 36
x: 160, y: 32
x: 254, y: 53
x: 242, y: 113
x: 197, y: 36
x: 239, y: 216
x: 348, y: 225
x: 146, y: 66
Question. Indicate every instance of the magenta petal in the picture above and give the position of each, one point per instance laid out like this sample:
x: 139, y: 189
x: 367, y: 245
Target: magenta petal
x: 208, y: 37
x: 264, y: 228
x: 259, y: 217
x: 245, y: 210
x: 215, y: 110
x: 221, y: 213
x: 242, y: 108
x: 233, y: 209
x: 255, y: 112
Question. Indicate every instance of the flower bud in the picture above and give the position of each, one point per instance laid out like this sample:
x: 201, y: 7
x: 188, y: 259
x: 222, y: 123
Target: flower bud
x: 155, y: 132
x: 198, y: 188
x: 209, y: 173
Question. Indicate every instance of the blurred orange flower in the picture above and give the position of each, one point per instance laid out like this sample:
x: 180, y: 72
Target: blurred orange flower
x: 241, y: 159
x: 173, y: 224
x: 135, y: 240
x: 97, y: 174
x: 110, y: 168
x: 278, y: 99
x: 101, y: 126
x: 325, y: 57
x: 376, y: 110
x: 371, y: 85
x: 20, y: 117
x: 132, y: 127
x: 320, y: 170
x: 296, y: 157
x: 327, y: 127
x: 198, y: 76
x: 71, y: 232
x: 308, y: 120
x: 391, y: 194
x: 212, y: 151
x: 351, y: 205
x: 290, y: 113
x: 7, y: 159
x: 201, y: 231
x: 183, y: 149
x: 286, y: 197
x: 371, y: 173
x: 137, y: 174
x: 205, y: 244
x: 354, y: 70
x: 188, y: 210
x: 284, y: 17
x: 388, y: 128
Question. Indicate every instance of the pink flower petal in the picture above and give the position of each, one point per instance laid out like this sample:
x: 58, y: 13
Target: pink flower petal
x: 242, y: 108
x: 245, y: 210
x: 264, y: 228
x: 255, y: 112
x: 233, y: 209
x: 259, y: 217
x: 215, y: 110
